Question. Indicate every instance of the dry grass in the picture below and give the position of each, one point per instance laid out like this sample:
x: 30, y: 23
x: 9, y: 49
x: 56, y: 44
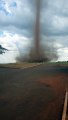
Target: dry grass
x: 26, y: 64
x: 19, y: 65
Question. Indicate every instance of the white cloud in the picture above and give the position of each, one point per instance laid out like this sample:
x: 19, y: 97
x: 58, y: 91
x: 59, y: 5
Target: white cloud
x: 14, y: 43
x: 63, y: 54
x: 8, y: 57
x: 58, y: 45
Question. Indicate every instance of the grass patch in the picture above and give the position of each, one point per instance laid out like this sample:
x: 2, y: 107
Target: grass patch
x: 29, y: 64
x: 19, y: 65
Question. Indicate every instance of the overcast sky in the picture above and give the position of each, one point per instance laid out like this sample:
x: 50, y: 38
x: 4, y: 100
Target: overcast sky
x: 17, y: 26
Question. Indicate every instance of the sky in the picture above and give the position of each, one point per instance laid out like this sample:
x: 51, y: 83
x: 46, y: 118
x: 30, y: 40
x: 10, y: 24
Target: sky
x: 17, y: 18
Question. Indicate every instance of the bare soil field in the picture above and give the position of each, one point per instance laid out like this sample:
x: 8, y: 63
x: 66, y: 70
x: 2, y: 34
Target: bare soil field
x: 34, y: 93
x: 57, y: 83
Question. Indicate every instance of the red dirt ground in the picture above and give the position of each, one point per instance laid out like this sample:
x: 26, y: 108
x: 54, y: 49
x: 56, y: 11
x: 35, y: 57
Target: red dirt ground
x: 57, y: 83
x: 30, y: 99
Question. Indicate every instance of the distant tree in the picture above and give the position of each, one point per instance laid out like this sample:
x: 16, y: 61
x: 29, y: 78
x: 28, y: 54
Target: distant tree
x: 2, y: 49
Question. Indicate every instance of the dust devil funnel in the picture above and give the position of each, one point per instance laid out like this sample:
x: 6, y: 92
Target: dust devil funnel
x: 37, y: 29
x: 36, y: 54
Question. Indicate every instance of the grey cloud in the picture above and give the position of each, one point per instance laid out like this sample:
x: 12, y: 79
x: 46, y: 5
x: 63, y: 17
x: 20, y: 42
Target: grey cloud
x: 20, y: 20
x: 24, y: 21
